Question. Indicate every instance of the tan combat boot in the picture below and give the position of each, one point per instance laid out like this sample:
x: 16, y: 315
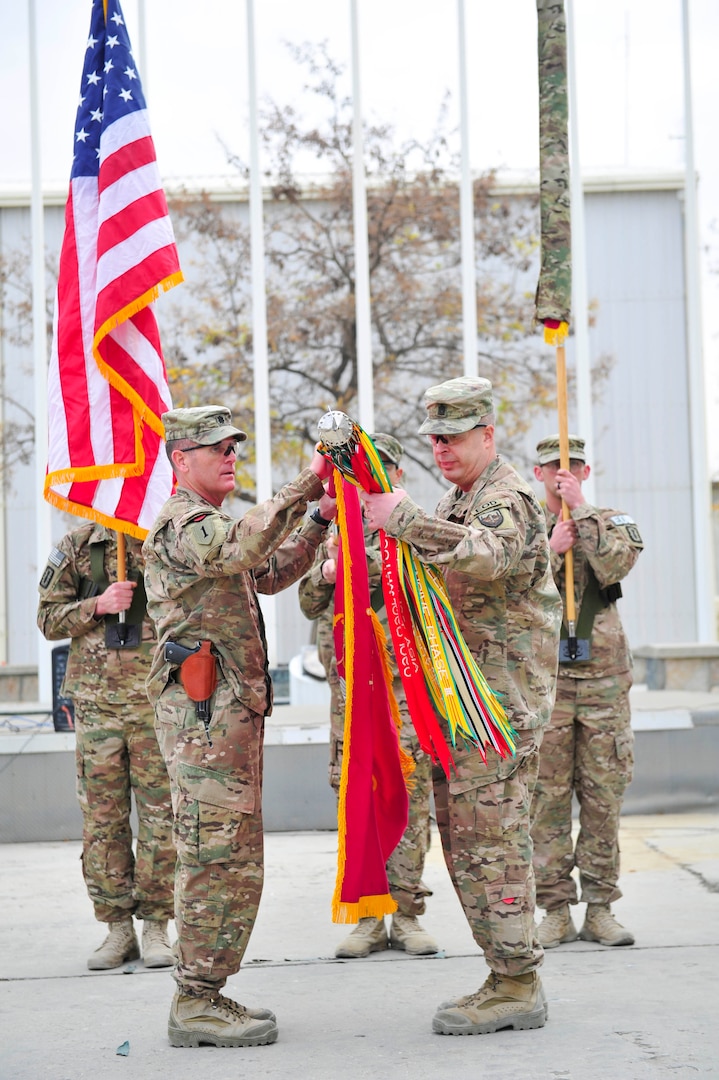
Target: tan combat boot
x: 502, y: 1002
x: 556, y: 928
x: 406, y: 933
x: 119, y: 945
x: 600, y: 925
x: 368, y: 936
x: 156, y: 949
x: 215, y: 1020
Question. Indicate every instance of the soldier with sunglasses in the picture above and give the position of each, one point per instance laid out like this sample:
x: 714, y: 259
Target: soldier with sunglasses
x: 204, y: 570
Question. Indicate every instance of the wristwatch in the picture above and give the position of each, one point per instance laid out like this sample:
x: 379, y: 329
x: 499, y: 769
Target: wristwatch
x: 316, y: 516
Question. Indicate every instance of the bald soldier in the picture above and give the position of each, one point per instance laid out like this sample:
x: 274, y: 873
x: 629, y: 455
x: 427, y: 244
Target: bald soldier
x: 588, y: 745
x: 489, y: 538
x: 203, y: 572
x: 405, y: 865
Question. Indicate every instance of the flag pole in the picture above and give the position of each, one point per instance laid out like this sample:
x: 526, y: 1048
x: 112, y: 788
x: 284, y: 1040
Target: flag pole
x: 363, y: 317
x: 553, y: 301
x: 466, y: 212
x: 42, y: 510
x: 562, y: 414
x: 260, y: 351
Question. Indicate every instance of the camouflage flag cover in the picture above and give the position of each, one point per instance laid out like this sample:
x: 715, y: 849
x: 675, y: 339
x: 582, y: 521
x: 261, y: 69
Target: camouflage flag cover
x: 554, y: 290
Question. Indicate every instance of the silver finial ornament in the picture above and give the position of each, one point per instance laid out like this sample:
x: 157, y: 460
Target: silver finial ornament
x: 335, y: 428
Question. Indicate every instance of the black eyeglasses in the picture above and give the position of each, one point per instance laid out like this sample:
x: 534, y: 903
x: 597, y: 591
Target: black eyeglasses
x: 216, y: 448
x: 449, y: 439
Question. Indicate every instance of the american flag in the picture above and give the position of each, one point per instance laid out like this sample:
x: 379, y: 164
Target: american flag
x: 107, y: 384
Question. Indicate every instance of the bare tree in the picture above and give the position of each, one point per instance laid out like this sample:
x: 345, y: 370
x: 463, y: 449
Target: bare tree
x: 415, y: 272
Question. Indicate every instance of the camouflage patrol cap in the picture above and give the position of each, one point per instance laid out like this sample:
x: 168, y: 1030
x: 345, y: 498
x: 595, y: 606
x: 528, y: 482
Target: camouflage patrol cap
x: 388, y: 447
x: 548, y: 449
x: 205, y: 425
x: 458, y: 405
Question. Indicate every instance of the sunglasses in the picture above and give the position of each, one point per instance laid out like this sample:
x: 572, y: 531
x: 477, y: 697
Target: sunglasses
x: 216, y: 448
x: 450, y: 440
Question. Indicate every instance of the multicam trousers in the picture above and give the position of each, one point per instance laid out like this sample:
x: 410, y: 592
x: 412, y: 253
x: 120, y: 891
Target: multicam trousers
x: 587, y: 751
x: 483, y: 820
x: 117, y: 755
x: 217, y: 803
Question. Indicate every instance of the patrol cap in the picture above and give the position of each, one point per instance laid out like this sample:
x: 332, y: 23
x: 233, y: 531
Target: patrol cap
x: 457, y: 405
x: 548, y: 449
x: 205, y: 425
x: 388, y: 447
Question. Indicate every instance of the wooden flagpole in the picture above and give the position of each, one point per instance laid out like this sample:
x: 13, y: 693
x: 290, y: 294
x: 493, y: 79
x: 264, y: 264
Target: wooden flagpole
x: 564, y: 464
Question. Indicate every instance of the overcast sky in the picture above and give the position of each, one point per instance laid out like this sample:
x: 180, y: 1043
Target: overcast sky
x: 629, y: 69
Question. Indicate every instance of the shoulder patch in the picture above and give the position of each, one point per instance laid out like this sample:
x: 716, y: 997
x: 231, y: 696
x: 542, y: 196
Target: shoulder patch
x: 621, y: 519
x: 56, y: 557
x: 494, y: 515
x: 628, y: 527
x: 202, y: 529
x: 55, y: 560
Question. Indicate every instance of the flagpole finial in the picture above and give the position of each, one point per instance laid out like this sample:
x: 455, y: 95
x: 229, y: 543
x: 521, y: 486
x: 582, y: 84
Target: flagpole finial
x: 335, y: 428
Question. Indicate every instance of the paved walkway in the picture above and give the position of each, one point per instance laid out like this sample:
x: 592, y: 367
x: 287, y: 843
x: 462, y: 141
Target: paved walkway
x: 629, y: 1014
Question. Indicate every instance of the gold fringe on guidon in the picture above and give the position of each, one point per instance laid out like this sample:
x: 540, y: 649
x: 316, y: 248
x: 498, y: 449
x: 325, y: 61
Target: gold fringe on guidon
x: 368, y: 906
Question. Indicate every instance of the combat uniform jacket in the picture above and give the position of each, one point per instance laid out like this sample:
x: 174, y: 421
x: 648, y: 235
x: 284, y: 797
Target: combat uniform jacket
x: 204, y: 569
x: 609, y: 545
x: 115, y: 676
x: 491, y: 544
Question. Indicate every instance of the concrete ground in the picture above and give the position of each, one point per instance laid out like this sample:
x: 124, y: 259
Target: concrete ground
x: 629, y: 1013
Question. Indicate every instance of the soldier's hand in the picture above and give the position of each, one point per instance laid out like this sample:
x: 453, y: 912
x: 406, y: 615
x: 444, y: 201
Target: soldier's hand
x: 327, y: 507
x: 569, y: 488
x: 322, y: 466
x: 564, y: 536
x: 116, y: 598
x: 379, y: 505
x: 332, y: 545
x: 329, y: 571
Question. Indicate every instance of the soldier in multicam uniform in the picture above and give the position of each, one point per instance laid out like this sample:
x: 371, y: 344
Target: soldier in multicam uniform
x: 116, y: 748
x: 203, y: 572
x: 406, y: 864
x: 489, y: 538
x: 588, y: 746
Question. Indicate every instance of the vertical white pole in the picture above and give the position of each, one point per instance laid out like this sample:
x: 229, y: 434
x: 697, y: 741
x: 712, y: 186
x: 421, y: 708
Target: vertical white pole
x: 39, y: 337
x: 580, y: 294
x: 363, y: 319
x: 466, y: 211
x: 704, y: 584
x: 142, y: 48
x: 4, y: 629
x: 263, y: 440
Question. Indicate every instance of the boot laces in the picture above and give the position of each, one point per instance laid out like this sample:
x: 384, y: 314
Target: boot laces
x: 228, y: 1006
x: 155, y: 933
x: 367, y: 927
x: 603, y: 921
x: 408, y: 923
x: 556, y: 922
x: 123, y: 930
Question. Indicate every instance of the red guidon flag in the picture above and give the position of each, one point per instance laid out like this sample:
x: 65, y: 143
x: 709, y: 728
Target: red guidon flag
x: 107, y: 384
